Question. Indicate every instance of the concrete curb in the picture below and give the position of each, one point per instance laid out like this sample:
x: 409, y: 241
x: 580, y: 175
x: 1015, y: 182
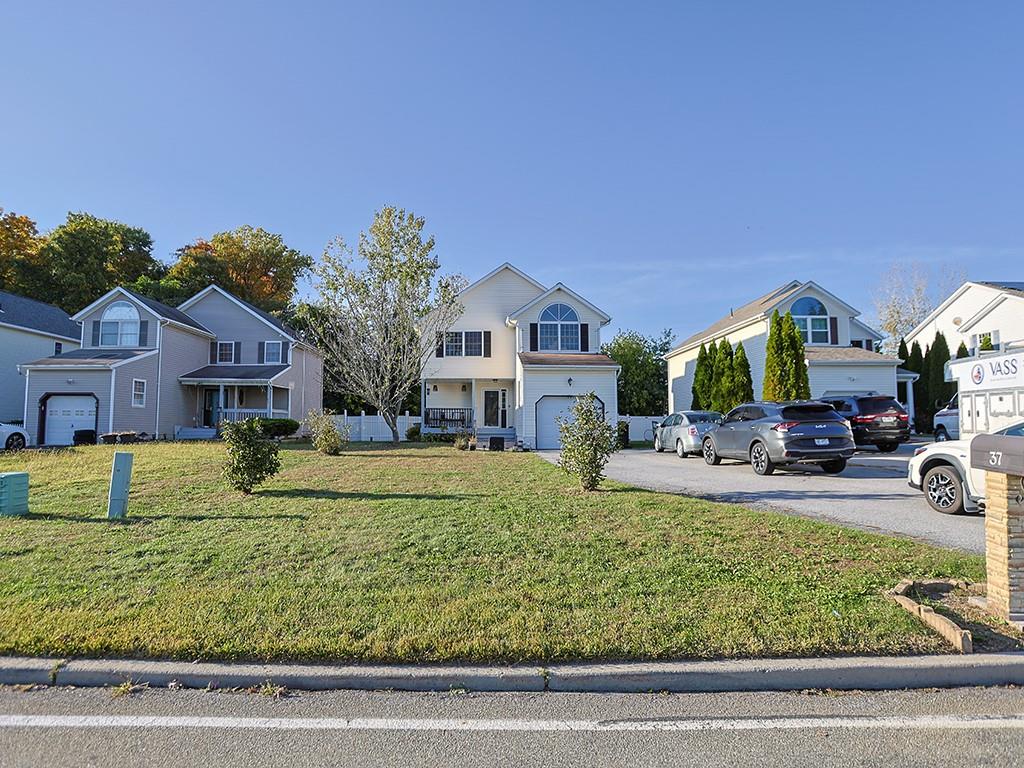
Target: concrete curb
x: 846, y: 673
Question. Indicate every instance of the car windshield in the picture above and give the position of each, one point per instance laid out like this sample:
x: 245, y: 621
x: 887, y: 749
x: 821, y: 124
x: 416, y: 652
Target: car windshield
x: 708, y: 417
x: 1017, y: 430
x: 872, y: 405
x: 810, y: 412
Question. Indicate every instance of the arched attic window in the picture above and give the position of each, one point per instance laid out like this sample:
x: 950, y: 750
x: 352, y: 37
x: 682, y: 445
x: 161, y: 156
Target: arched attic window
x: 559, y: 329
x: 120, y: 325
x: 811, y: 318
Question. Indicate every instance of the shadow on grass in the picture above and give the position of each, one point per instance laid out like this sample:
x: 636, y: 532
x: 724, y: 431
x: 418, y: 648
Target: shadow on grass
x: 140, y: 519
x: 319, y: 493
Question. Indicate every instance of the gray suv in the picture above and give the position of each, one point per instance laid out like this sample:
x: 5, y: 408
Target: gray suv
x: 772, y: 434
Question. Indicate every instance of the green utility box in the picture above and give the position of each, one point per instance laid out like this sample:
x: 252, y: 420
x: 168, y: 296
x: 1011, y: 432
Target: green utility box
x: 13, y: 494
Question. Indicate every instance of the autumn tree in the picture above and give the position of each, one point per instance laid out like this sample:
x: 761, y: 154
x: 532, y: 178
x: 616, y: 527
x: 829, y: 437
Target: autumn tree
x: 19, y: 249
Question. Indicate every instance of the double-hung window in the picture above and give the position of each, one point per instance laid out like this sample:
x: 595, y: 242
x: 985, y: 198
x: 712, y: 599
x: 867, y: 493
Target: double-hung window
x: 811, y: 320
x: 225, y: 351
x: 119, y: 326
x: 272, y: 352
x: 559, y: 329
x: 453, y: 344
x: 138, y: 393
x: 473, y: 343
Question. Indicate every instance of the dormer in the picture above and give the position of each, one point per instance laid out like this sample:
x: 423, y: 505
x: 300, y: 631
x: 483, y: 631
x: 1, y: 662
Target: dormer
x: 559, y: 320
x: 123, y: 319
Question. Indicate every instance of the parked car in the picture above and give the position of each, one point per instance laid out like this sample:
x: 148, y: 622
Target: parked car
x: 947, y: 421
x: 773, y: 434
x: 943, y: 472
x: 12, y: 438
x: 684, y: 431
x: 875, y: 419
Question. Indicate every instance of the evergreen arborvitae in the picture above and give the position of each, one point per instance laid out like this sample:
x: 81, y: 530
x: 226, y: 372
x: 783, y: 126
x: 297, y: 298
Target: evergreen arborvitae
x: 940, y: 390
x: 722, y: 390
x: 986, y: 343
x: 699, y: 375
x: 962, y: 351
x: 915, y: 363
x: 742, y: 383
x: 903, y: 352
x: 795, y: 380
x: 707, y: 394
x: 774, y: 355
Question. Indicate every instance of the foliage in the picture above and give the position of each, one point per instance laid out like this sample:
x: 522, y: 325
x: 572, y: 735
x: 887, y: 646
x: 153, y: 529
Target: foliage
x: 962, y: 351
x: 328, y: 438
x: 588, y: 441
x: 622, y: 433
x: 251, y: 456
x: 937, y: 390
x: 380, y: 317
x: 915, y: 363
x: 643, y: 381
x: 742, y: 381
x: 775, y: 353
x: 413, y: 434
x: 986, y: 343
x: 279, y: 427
x: 785, y: 368
x: 19, y: 248
x: 722, y: 381
x: 796, y: 362
x: 901, y: 301
x: 700, y: 397
x: 461, y: 440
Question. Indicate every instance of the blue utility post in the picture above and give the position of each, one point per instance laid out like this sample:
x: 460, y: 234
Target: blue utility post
x: 120, y: 479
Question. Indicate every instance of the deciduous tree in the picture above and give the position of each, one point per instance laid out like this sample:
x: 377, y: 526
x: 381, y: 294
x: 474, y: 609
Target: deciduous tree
x: 643, y: 380
x: 19, y: 249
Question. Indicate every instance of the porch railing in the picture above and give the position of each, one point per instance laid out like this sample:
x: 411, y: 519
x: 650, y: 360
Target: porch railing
x: 451, y: 419
x: 241, y: 414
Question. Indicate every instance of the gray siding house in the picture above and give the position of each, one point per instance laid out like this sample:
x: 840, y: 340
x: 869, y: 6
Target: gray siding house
x: 28, y: 329
x: 168, y: 372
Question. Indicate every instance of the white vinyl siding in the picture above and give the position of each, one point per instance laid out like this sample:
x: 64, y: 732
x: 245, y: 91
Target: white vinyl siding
x: 540, y: 382
x: 852, y: 378
x: 16, y: 347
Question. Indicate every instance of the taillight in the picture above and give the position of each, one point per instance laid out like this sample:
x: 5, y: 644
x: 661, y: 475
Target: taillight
x: 785, y: 426
x: 904, y: 416
x: 863, y: 419
x: 692, y: 431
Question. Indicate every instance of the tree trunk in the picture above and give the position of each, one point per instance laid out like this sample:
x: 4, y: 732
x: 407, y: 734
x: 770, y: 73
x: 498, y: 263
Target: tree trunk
x: 391, y: 419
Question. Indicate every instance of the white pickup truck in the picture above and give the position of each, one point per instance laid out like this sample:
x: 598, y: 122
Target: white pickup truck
x: 943, y: 472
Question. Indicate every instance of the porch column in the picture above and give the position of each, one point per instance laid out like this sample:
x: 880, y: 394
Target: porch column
x: 472, y: 403
x: 270, y: 401
x: 910, y: 405
x: 220, y: 404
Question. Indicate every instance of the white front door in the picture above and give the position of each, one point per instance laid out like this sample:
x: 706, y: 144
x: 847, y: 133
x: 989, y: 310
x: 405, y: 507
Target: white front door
x: 65, y: 414
x: 549, y: 409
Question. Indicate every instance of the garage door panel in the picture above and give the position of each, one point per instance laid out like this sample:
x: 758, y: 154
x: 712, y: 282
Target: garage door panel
x: 67, y: 413
x: 549, y: 409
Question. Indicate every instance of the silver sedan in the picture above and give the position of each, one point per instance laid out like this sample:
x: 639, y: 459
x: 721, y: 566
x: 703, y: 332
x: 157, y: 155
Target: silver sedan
x: 683, y: 431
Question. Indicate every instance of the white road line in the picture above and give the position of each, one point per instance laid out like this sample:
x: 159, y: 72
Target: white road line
x: 965, y: 722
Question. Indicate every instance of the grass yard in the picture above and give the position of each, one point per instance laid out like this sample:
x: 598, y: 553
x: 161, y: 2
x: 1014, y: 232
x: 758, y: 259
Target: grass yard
x: 428, y: 553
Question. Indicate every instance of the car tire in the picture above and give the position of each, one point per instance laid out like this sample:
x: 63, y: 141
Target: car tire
x: 941, y: 435
x: 833, y: 467
x: 15, y: 442
x: 657, y: 444
x: 944, y: 490
x: 711, y: 457
x: 680, y: 451
x: 887, y: 447
x: 760, y: 460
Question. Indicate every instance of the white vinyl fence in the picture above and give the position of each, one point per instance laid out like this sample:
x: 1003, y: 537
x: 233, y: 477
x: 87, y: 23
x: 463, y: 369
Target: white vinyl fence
x: 373, y: 428
x: 641, y: 427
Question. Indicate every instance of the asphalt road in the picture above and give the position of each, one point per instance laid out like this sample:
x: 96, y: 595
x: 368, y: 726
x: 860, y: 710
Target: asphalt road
x: 871, y: 494
x: 176, y: 728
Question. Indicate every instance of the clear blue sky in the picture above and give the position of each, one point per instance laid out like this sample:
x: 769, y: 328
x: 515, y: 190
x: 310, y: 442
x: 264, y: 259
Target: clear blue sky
x: 667, y: 160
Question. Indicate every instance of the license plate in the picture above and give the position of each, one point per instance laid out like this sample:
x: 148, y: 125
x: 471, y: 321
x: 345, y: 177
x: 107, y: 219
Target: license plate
x: 888, y: 419
x: 821, y: 441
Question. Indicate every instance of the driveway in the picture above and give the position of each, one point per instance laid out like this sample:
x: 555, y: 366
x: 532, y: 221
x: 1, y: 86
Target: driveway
x: 871, y: 494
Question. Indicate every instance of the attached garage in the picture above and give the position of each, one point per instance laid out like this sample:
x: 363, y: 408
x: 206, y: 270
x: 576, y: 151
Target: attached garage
x: 63, y: 414
x: 550, y: 409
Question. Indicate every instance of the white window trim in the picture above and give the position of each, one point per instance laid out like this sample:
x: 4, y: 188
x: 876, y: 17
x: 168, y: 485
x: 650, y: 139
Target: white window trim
x: 230, y: 344
x: 145, y: 387
x: 266, y: 349
x: 462, y: 342
x: 118, y: 323
x: 828, y: 329
x: 559, y: 324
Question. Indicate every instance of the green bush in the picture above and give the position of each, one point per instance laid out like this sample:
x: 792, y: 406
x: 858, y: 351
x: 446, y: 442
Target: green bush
x: 279, y: 427
x: 412, y: 434
x: 587, y: 442
x: 328, y: 438
x: 252, y: 457
x: 462, y: 441
x: 623, y: 434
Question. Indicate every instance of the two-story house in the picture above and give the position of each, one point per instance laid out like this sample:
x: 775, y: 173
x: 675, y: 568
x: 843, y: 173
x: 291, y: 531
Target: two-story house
x: 28, y: 329
x: 516, y: 360
x: 168, y: 372
x: 974, y: 312
x: 839, y: 349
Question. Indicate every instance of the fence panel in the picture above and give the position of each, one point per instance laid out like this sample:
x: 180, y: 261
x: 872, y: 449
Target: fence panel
x: 366, y: 429
x: 641, y: 428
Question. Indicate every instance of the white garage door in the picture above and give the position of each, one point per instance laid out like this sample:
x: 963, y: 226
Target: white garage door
x: 65, y: 414
x: 548, y: 410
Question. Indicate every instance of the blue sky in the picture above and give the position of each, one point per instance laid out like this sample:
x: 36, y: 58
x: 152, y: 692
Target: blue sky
x: 668, y: 161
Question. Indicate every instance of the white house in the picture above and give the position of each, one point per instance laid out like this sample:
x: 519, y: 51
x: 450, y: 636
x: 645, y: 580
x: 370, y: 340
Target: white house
x: 974, y: 311
x: 517, y: 359
x: 839, y: 348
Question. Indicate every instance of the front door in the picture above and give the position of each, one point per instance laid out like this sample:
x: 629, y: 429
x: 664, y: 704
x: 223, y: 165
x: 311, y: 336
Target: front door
x: 210, y: 407
x: 496, y: 408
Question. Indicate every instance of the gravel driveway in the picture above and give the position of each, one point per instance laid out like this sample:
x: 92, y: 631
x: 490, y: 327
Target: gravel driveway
x: 871, y: 494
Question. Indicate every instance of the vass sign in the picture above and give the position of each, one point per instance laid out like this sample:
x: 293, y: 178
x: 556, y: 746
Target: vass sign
x: 995, y: 372
x: 998, y: 453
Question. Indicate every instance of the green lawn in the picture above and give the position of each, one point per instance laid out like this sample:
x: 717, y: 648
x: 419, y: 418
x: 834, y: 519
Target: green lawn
x: 427, y: 553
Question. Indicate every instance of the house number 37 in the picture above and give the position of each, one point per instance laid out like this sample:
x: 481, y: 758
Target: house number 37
x: 995, y: 458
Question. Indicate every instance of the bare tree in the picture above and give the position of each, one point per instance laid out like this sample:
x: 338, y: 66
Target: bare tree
x: 901, y: 302
x: 380, y: 315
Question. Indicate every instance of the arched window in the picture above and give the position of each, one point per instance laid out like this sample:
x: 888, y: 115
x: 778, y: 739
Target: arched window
x: 120, y: 325
x: 559, y: 329
x: 811, y: 320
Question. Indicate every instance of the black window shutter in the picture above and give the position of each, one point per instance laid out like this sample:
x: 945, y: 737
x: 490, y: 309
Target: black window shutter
x: 95, y: 333
x: 284, y: 352
x: 584, y: 337
x: 261, y: 354
x: 833, y: 327
x: 213, y: 352
x: 533, y: 337
x: 238, y: 352
x: 143, y: 333
x: 487, y: 343
x: 439, y: 352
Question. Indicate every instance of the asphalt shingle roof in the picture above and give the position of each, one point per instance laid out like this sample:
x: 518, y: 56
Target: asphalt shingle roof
x: 1013, y: 287
x: 90, y: 357
x: 37, y: 316
x: 839, y: 354
x: 166, y: 312
x: 253, y: 372
x: 565, y: 359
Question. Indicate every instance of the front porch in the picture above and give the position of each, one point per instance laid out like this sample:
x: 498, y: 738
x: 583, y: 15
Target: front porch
x: 482, y: 407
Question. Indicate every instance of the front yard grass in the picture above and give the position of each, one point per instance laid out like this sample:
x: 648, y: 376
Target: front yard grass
x: 425, y: 553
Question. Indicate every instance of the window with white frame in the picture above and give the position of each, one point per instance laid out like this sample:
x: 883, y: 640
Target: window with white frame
x: 225, y: 351
x: 978, y: 341
x: 559, y: 329
x: 453, y: 344
x: 272, y: 352
x: 811, y: 320
x: 138, y: 393
x: 119, y: 326
x: 473, y: 343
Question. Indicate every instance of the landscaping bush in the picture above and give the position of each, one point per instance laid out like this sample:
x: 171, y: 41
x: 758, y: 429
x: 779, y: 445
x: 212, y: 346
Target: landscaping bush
x: 412, y: 434
x: 328, y: 438
x: 462, y: 441
x: 623, y: 434
x: 279, y: 427
x: 252, y: 456
x: 587, y: 442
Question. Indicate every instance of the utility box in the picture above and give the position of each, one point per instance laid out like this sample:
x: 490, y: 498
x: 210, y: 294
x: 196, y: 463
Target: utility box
x: 13, y: 494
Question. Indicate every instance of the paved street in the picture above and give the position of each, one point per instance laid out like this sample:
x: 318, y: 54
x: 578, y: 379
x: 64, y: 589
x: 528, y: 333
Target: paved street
x: 871, y: 494
x: 171, y: 728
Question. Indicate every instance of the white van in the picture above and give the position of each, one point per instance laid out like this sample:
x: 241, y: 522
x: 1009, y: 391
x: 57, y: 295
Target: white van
x: 947, y: 421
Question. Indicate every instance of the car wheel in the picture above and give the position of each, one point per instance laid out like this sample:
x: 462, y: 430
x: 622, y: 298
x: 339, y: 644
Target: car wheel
x: 887, y: 447
x: 760, y: 460
x: 657, y: 444
x: 15, y: 442
x: 680, y: 451
x: 944, y: 490
x: 711, y: 456
x: 833, y: 467
x: 941, y: 435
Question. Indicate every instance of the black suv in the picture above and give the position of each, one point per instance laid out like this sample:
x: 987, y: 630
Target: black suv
x: 877, y: 420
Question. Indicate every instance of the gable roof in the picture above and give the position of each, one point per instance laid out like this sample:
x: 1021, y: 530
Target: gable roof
x: 158, y: 308
x: 37, y: 316
x: 878, y: 336
x: 266, y: 317
x: 511, y: 268
x: 1009, y: 288
x: 605, y: 317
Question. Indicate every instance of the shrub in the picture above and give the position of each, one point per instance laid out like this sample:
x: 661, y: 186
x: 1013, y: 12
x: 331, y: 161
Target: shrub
x: 462, y: 441
x: 328, y: 437
x: 252, y: 457
x: 279, y: 427
x: 623, y: 434
x: 412, y: 434
x: 587, y: 442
